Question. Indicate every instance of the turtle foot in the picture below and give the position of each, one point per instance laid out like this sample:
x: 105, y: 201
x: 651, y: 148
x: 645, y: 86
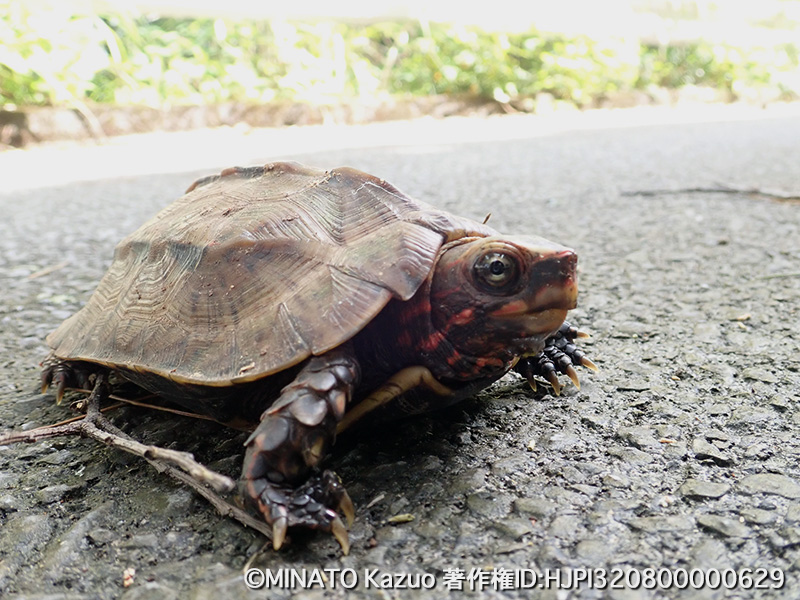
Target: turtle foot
x: 64, y: 374
x: 560, y: 356
x: 280, y: 475
x: 316, y: 504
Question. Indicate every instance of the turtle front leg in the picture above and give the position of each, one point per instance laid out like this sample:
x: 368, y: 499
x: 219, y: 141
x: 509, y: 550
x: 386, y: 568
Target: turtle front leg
x: 279, y: 476
x: 559, y: 355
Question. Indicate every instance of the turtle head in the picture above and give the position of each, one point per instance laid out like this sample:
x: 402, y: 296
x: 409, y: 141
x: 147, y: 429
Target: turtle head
x: 496, y: 296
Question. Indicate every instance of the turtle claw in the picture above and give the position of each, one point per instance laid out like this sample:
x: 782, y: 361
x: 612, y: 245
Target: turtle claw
x: 339, y: 531
x: 47, y: 375
x: 586, y: 362
x: 570, y: 372
x: 279, y: 529
x: 347, y: 509
x: 57, y: 374
x: 552, y: 378
x: 60, y: 387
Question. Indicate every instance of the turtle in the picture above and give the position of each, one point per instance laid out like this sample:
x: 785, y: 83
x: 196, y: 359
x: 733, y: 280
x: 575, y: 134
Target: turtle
x: 308, y: 301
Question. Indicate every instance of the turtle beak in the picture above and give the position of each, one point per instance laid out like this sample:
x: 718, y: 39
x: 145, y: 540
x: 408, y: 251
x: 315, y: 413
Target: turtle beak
x: 550, y: 291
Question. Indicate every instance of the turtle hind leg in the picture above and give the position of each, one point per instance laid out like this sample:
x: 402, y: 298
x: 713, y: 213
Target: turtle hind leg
x: 280, y: 476
x: 560, y: 355
x: 64, y: 374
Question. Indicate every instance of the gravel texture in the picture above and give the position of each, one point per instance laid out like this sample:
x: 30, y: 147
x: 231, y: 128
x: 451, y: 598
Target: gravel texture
x: 681, y: 453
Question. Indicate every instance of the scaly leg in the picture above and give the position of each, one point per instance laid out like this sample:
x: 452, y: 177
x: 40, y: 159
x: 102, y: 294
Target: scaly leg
x: 294, y: 435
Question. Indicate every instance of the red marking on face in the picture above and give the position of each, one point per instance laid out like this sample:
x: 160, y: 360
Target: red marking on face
x: 462, y: 318
x: 453, y: 359
x: 430, y: 343
x: 515, y: 307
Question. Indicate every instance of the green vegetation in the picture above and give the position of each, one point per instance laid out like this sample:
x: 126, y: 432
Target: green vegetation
x: 52, y: 58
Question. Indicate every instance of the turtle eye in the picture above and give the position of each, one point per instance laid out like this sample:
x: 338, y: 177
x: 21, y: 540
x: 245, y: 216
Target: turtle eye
x: 497, y: 270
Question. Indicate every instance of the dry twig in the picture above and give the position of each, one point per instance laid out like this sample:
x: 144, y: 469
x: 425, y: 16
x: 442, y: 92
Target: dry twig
x: 96, y: 426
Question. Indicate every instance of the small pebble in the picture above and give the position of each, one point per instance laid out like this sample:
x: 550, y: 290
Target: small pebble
x: 703, y: 489
x: 771, y: 483
x: 704, y: 450
x: 724, y: 526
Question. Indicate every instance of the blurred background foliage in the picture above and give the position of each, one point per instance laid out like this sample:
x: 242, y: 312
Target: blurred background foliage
x: 67, y: 59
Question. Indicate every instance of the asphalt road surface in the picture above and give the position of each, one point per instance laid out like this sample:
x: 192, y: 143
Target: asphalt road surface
x: 680, y: 456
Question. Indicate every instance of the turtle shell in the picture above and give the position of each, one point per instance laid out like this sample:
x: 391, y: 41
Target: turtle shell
x: 254, y: 270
